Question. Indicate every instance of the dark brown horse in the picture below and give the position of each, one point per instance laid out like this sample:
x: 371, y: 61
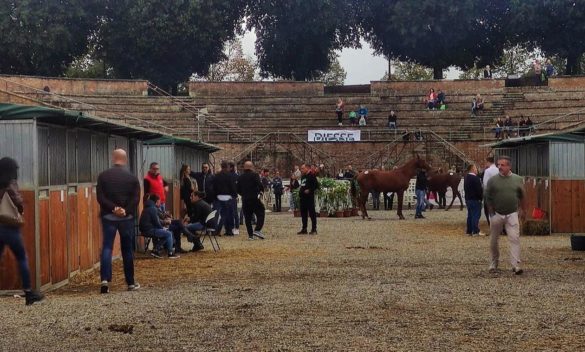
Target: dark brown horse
x: 439, y: 182
x: 396, y: 180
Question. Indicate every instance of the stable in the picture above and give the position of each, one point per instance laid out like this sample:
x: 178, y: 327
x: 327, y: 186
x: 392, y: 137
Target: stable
x: 60, y: 154
x: 171, y: 153
x: 553, y: 167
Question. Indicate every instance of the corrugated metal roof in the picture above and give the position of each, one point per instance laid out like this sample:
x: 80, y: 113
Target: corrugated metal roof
x: 184, y: 142
x: 575, y: 135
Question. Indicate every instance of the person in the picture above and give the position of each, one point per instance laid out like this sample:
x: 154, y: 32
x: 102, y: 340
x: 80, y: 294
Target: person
x: 339, y: 111
x: 362, y: 122
x: 375, y: 199
x: 293, y: 184
x: 392, y: 119
x: 307, y: 189
x: 235, y: 175
x: 188, y: 186
x: 205, y: 182
x: 225, y: 189
x: 498, y: 128
x: 508, y: 127
x: 529, y: 125
x: 352, y: 118
x: 537, y: 72
x: 490, y: 171
x: 363, y: 112
x: 473, y: 197
x: 199, y: 210
x: 474, y: 107
x: 420, y: 191
x: 522, y: 130
x: 250, y: 188
x: 388, y: 200
x: 487, y: 72
x: 549, y: 68
x: 349, y: 173
x: 118, y: 194
x: 441, y: 99
x: 277, y: 188
x: 505, y: 199
x: 150, y: 225
x: 10, y: 234
x: 431, y: 99
x: 155, y: 184
x: 297, y: 172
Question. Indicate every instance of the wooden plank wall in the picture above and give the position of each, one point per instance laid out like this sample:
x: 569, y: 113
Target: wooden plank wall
x: 568, y: 206
x: 44, y: 234
x: 9, y: 274
x: 58, y: 236
x: 537, y: 195
x: 84, y: 227
x: 96, y: 229
x: 73, y: 232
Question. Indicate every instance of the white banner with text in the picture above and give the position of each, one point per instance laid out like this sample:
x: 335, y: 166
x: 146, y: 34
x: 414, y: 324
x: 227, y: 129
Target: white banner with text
x: 332, y: 136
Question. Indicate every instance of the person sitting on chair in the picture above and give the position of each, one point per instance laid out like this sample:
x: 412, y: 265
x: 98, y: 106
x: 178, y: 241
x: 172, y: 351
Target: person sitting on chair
x: 151, y: 226
x: 198, y: 212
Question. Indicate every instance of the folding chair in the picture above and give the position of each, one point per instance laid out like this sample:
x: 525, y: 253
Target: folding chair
x: 211, y: 231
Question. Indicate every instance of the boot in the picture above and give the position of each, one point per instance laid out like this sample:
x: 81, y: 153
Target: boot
x: 32, y: 297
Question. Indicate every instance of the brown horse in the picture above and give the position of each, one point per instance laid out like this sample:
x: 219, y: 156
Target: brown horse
x: 396, y: 180
x: 439, y: 182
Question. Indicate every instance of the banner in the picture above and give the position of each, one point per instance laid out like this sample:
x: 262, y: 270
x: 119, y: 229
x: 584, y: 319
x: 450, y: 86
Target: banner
x: 334, y: 136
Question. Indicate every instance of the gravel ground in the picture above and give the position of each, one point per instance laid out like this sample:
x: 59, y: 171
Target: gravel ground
x: 379, y: 285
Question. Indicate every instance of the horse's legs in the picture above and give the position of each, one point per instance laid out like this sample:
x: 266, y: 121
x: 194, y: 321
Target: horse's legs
x: 460, y: 200
x: 455, y: 194
x: 363, y: 199
x: 400, y: 201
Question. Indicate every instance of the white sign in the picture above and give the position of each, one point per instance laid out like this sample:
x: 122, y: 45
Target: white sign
x: 334, y: 135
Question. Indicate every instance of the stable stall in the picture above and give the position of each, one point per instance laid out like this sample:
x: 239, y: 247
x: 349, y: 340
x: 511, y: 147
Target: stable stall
x: 553, y: 167
x: 171, y: 153
x: 61, y: 154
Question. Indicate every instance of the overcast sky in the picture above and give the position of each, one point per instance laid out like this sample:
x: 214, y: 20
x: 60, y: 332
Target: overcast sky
x: 361, y: 65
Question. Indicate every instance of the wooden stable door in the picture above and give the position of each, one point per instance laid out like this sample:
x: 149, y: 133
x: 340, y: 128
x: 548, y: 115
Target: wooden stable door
x: 58, y: 236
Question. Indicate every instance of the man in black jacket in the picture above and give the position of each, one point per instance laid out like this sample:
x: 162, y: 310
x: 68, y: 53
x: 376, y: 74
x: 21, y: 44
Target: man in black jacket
x: 421, y: 193
x: 205, y: 182
x: 198, y: 210
x: 250, y: 188
x: 308, y: 186
x: 278, y: 188
x: 225, y: 190
x: 151, y: 226
x: 118, y: 194
x: 473, y: 196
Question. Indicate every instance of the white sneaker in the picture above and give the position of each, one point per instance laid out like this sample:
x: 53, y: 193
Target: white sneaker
x: 482, y: 234
x: 134, y: 287
x: 258, y: 234
x: 236, y: 231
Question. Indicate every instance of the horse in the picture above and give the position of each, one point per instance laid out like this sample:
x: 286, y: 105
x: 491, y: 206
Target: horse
x: 439, y: 182
x: 396, y: 180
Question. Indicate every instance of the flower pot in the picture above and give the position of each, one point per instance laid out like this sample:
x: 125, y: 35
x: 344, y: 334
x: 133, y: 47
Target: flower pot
x: 347, y: 213
x: 339, y: 213
x: 297, y: 213
x: 324, y: 213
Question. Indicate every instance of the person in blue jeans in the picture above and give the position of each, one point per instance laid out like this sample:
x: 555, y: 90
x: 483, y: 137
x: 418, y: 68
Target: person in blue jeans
x: 198, y: 211
x: 118, y: 194
x: 10, y: 234
x: 225, y: 189
x: 473, y: 196
x: 151, y: 226
x: 421, y: 193
x: 235, y: 175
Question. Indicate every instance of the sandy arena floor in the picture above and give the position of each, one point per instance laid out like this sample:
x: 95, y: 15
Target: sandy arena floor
x: 379, y: 285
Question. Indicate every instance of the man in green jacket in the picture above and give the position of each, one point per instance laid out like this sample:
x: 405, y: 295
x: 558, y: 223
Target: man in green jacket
x: 504, y: 196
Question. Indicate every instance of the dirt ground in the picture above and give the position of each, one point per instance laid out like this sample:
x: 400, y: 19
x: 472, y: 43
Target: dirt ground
x: 379, y: 285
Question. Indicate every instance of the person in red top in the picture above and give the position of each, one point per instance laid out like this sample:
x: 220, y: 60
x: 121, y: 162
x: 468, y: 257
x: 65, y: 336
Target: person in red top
x: 155, y: 184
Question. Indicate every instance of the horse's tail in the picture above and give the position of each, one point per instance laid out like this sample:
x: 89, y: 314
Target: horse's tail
x: 354, y: 188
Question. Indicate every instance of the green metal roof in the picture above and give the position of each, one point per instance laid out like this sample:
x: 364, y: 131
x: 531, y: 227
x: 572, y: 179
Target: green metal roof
x: 80, y: 119
x: 573, y: 135
x: 166, y: 140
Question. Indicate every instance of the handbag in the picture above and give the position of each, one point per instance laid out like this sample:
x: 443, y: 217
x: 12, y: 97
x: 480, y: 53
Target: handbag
x: 9, y: 214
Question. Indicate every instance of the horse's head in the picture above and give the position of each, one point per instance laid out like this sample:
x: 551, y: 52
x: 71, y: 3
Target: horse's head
x: 420, y: 163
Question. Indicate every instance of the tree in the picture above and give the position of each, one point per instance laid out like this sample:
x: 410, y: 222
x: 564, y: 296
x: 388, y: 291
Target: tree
x: 556, y: 26
x: 236, y: 66
x: 43, y: 37
x: 436, y: 34
x: 296, y: 38
x: 409, y: 71
x: 335, y: 76
x: 166, y: 41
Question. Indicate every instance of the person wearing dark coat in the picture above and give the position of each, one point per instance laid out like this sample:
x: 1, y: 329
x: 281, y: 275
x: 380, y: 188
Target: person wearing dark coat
x: 150, y: 225
x: 308, y: 187
x: 225, y: 190
x: 278, y: 189
x: 205, y: 182
x: 421, y: 193
x: 250, y: 188
x: 473, y: 196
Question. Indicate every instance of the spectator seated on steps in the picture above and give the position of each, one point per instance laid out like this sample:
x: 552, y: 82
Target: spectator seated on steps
x: 441, y: 99
x: 431, y: 101
x: 150, y: 225
x: 498, y: 128
x: 363, y: 112
x: 353, y: 118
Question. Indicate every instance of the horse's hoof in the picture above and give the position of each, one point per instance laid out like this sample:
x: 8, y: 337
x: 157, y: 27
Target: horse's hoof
x: 369, y: 218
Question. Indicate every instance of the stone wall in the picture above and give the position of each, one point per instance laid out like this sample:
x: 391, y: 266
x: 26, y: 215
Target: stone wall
x: 567, y: 83
x: 385, y: 88
x: 249, y: 89
x: 75, y: 86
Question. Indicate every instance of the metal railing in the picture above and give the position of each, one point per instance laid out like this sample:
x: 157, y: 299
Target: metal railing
x: 53, y: 100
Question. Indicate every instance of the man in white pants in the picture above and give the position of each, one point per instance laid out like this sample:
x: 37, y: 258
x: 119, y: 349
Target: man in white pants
x: 504, y: 195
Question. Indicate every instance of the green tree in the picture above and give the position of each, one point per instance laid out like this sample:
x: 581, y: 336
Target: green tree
x: 44, y: 37
x: 436, y: 34
x: 409, y: 71
x: 166, y: 41
x: 335, y: 76
x: 296, y: 38
x: 556, y: 26
x: 236, y: 66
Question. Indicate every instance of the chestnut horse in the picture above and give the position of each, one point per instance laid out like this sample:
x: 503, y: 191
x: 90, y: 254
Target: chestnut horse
x: 396, y: 180
x: 439, y: 182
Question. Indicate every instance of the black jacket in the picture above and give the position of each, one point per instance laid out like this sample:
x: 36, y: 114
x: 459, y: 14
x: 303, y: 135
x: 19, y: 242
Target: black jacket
x: 421, y: 181
x: 223, y: 183
x: 149, y: 219
x: 205, y: 184
x: 117, y: 187
x: 199, y: 211
x: 472, y: 187
x: 249, y: 185
x: 308, y: 182
x: 277, y: 186
x: 186, y: 189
